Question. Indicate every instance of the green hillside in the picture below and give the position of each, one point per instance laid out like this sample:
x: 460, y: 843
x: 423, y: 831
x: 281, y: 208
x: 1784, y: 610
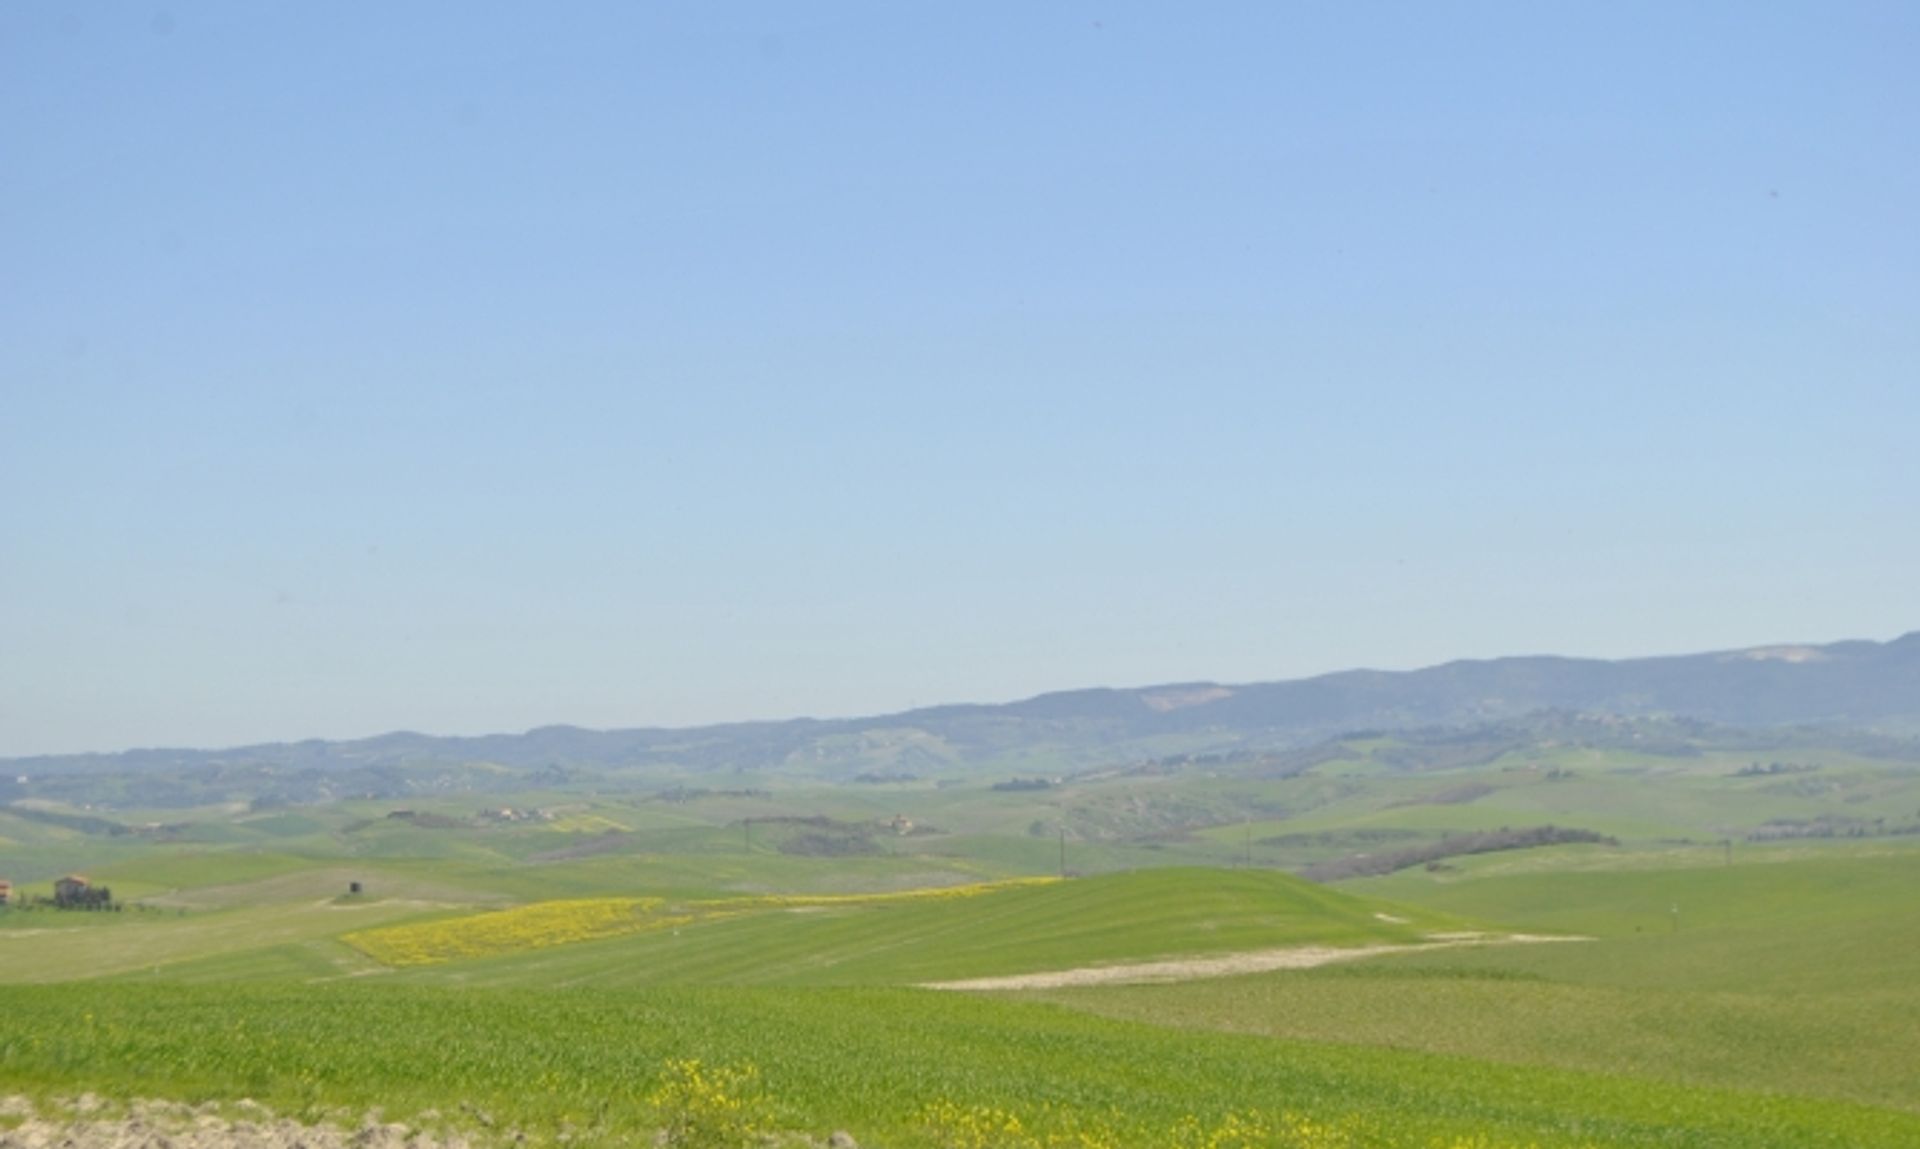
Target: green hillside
x: 1791, y: 973
x: 1121, y: 917
x: 290, y: 924
x: 583, y: 939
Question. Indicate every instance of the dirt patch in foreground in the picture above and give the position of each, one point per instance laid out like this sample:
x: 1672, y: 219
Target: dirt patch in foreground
x: 1228, y: 965
x: 90, y: 1124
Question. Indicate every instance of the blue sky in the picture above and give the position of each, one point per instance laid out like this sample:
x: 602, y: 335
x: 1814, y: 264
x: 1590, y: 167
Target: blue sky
x: 465, y: 367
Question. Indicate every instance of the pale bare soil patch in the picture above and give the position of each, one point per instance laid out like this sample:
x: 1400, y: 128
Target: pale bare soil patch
x: 89, y: 1123
x: 1229, y: 965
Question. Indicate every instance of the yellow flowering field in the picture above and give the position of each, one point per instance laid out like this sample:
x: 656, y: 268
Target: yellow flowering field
x: 543, y: 924
x: 535, y: 926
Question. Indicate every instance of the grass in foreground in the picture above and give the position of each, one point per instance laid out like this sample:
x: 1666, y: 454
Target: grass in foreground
x: 871, y: 1061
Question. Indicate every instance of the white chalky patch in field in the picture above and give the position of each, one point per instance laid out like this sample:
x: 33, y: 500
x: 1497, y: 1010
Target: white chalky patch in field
x: 1228, y: 965
x: 89, y: 1123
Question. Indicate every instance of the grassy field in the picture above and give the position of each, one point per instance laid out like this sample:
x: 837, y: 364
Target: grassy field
x: 871, y: 1061
x: 1790, y: 973
x: 884, y: 941
x: 295, y: 925
x: 553, y: 973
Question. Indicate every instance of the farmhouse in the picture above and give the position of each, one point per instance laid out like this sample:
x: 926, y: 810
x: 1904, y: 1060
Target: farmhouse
x: 6, y: 892
x: 72, y: 888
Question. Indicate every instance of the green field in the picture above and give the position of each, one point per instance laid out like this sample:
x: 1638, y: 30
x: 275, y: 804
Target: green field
x: 866, y: 1060
x: 544, y: 976
x: 1744, y: 988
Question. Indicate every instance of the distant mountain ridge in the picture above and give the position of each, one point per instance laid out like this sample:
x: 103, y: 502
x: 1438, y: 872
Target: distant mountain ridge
x: 1856, y: 684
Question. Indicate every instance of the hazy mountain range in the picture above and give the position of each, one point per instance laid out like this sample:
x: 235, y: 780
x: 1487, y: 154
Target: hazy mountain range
x: 1858, y: 685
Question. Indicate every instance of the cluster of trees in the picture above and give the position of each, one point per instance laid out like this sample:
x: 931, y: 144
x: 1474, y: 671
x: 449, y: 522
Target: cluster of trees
x: 1485, y: 842
x: 68, y: 898
x: 83, y: 898
x: 1828, y: 826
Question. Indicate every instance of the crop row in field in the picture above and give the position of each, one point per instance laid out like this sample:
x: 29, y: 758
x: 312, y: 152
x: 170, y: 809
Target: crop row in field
x: 890, y: 897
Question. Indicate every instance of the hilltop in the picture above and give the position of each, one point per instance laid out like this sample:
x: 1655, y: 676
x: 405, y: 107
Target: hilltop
x: 1858, y: 685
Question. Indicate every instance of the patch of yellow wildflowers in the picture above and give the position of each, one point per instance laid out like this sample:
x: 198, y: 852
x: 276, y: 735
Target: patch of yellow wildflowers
x: 949, y: 1125
x: 535, y: 926
x: 701, y: 1106
x: 555, y: 923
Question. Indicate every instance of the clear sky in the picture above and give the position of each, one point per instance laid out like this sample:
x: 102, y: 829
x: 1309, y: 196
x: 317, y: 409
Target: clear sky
x: 468, y: 367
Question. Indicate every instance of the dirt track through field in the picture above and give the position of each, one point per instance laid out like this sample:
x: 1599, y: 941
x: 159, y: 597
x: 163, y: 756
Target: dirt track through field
x: 1228, y: 965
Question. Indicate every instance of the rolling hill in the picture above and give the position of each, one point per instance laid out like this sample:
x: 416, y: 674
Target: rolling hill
x: 1857, y: 685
